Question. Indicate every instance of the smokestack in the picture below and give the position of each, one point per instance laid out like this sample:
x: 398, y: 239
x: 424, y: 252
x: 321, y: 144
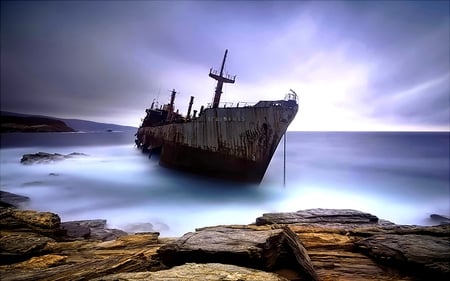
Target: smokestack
x: 188, y: 115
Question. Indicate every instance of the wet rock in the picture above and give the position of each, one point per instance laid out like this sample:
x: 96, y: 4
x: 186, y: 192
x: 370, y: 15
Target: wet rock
x: 11, y: 218
x: 16, y: 247
x: 358, y: 248
x: 87, y: 259
x: 85, y: 270
x: 41, y: 157
x: 106, y: 234
x: 75, y: 230
x: 260, y: 248
x: 44, y: 220
x: 44, y: 157
x: 440, y: 219
x: 426, y: 255
x: 312, y: 248
x: 192, y: 271
x: 8, y: 199
x: 43, y: 223
x: 318, y: 216
x: 98, y: 223
x: 91, y: 229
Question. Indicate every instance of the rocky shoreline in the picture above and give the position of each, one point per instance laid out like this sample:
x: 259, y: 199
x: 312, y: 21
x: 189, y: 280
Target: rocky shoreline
x: 315, y: 244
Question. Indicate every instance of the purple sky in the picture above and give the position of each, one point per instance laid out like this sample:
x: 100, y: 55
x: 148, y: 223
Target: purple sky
x: 356, y: 65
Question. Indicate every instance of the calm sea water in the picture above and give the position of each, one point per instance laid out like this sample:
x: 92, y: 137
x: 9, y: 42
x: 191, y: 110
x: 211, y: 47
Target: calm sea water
x: 401, y: 177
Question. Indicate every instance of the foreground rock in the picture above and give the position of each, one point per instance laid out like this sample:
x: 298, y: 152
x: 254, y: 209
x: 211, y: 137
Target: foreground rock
x: 192, y: 271
x: 44, y: 157
x: 315, y: 244
x: 261, y: 248
x: 352, y: 245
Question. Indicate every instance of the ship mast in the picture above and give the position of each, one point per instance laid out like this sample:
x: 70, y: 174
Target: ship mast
x: 220, y: 80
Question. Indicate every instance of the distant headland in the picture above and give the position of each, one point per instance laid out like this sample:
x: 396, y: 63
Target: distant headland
x: 26, y: 123
x: 33, y: 124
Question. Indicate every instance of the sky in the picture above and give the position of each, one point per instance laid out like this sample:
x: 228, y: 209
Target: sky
x: 356, y: 65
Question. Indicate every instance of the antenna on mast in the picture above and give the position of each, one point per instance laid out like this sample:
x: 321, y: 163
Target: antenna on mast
x: 220, y: 80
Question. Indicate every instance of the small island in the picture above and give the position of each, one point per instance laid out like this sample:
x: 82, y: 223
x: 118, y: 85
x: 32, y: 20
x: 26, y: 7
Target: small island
x: 32, y: 124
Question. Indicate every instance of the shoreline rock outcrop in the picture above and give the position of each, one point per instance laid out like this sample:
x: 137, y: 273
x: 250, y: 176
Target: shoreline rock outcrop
x: 44, y: 157
x: 316, y: 244
x: 8, y: 199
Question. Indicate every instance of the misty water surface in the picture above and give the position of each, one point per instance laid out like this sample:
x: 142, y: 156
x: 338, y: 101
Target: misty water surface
x: 396, y: 176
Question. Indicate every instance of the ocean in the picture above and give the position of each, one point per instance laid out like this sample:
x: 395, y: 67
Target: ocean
x: 397, y: 176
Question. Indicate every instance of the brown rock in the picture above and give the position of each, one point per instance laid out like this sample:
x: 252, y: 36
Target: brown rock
x: 20, y: 246
x: 40, y: 262
x: 260, y: 248
x: 45, y: 220
x: 427, y: 256
x: 361, y: 249
x: 82, y: 270
x: 43, y: 223
x: 86, y: 259
x: 192, y: 271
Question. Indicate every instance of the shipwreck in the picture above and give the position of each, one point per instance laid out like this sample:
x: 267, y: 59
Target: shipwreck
x: 229, y: 142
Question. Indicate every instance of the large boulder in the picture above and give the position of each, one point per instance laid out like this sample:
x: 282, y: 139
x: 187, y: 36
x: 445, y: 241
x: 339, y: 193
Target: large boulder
x: 192, y: 271
x: 44, y: 223
x: 426, y: 255
x: 249, y: 246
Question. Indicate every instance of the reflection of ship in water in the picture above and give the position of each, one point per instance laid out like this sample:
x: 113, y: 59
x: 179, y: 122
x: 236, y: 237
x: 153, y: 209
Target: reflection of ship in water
x: 234, y: 143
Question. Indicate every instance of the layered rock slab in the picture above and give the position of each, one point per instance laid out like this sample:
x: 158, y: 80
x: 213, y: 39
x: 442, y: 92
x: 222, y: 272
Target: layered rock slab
x: 353, y: 245
x: 427, y: 255
x: 85, y: 260
x: 254, y: 247
x: 192, y: 271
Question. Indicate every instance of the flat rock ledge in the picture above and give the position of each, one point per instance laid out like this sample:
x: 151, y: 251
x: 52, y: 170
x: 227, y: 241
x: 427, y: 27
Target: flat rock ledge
x: 315, y: 244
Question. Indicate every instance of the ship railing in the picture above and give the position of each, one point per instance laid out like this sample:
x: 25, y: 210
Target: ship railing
x: 221, y: 104
x: 291, y: 96
x: 245, y: 103
x: 224, y: 75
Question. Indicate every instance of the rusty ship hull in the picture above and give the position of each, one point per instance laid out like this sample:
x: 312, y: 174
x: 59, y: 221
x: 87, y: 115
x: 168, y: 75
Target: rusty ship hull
x: 231, y: 143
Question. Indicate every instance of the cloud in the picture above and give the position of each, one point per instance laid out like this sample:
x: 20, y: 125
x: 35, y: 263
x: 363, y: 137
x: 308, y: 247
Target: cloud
x: 364, y: 65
